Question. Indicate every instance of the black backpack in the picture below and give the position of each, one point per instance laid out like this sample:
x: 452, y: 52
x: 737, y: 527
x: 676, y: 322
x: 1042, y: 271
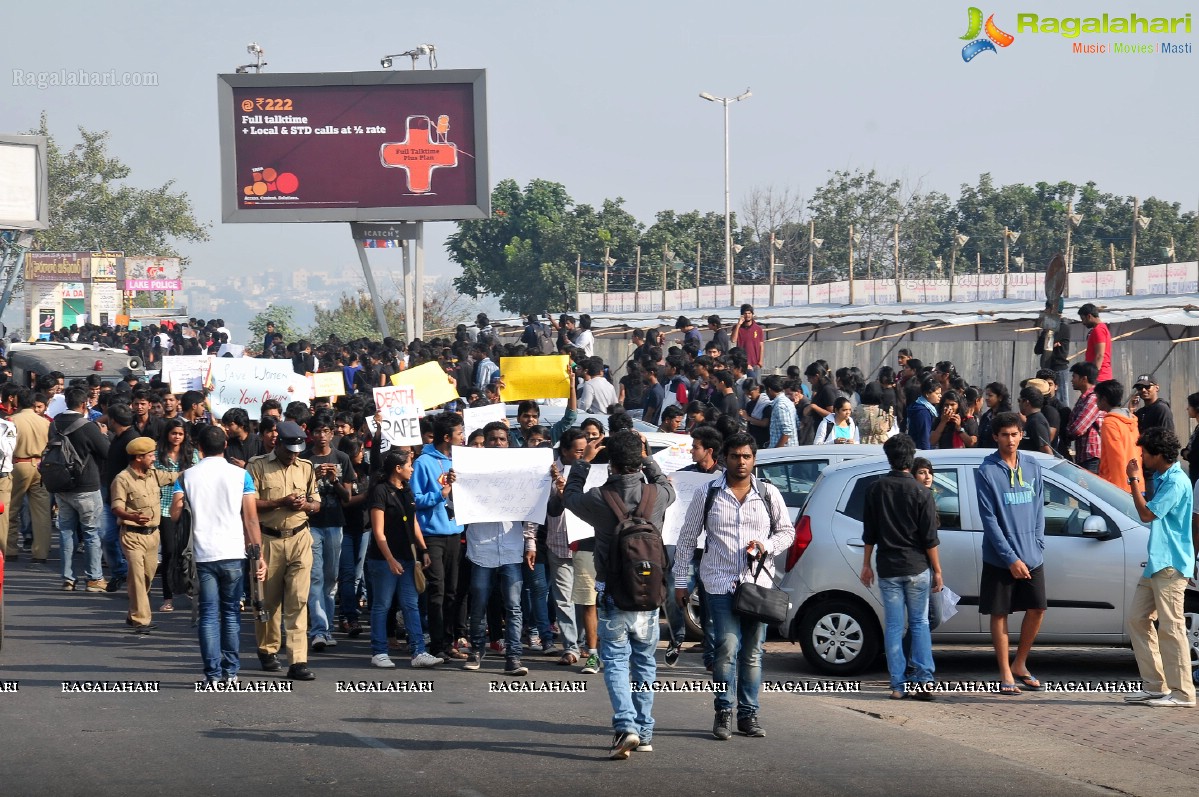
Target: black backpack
x: 181, y: 574
x: 545, y: 340
x: 637, y: 572
x: 62, y: 466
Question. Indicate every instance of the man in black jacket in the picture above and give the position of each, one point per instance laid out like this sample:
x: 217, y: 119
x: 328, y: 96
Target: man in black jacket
x: 81, y: 509
x: 120, y: 424
x: 628, y: 639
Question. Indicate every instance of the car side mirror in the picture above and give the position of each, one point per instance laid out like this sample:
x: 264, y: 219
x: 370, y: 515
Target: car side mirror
x: 1095, y: 526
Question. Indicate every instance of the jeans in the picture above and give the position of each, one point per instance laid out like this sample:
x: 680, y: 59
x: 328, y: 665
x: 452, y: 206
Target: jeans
x: 737, y: 662
x: 350, y: 572
x: 326, y: 555
x: 220, y: 616
x: 110, y: 539
x: 934, y: 620
x: 1063, y: 387
x: 562, y: 577
x: 905, y: 602
x: 441, y: 588
x: 388, y: 589
x: 535, y: 606
x: 480, y: 593
x: 628, y: 641
x: 82, y: 510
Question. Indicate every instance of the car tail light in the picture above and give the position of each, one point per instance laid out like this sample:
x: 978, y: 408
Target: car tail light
x: 803, y: 538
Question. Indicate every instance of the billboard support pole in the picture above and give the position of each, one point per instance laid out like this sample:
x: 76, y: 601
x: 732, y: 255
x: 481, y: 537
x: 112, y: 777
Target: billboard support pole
x: 380, y: 319
x: 418, y: 292
x: 409, y: 319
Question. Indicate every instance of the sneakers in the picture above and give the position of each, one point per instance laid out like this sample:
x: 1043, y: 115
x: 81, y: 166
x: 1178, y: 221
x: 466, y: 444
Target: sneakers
x: 672, y: 655
x: 68, y: 586
x: 550, y: 649
x: 1144, y: 696
x: 750, y: 727
x: 497, y: 647
x: 534, y: 645
x: 318, y: 644
x: 426, y: 660
x: 97, y: 585
x: 722, y: 726
x: 592, y: 665
x: 475, y: 660
x: 622, y: 744
x: 644, y: 747
x: 330, y: 642
x: 382, y: 661
x: 114, y: 584
x: 1171, y: 701
x: 512, y: 666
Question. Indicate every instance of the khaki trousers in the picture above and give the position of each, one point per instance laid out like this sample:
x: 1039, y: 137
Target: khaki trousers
x: 141, y: 552
x: 5, y: 501
x: 288, y: 582
x: 1163, y: 656
x: 26, y: 481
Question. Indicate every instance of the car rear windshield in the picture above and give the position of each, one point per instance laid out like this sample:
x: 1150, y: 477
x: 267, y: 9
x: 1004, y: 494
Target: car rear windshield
x: 1108, y: 492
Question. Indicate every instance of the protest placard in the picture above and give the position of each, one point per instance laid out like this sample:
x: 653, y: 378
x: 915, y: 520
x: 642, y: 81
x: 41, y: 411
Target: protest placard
x: 232, y: 349
x: 534, y: 377
x: 496, y: 484
x: 576, y: 529
x: 675, y: 456
x: 478, y: 417
x: 185, y: 372
x: 432, y: 386
x: 401, y: 415
x: 330, y: 383
x: 247, y: 383
x: 687, y: 486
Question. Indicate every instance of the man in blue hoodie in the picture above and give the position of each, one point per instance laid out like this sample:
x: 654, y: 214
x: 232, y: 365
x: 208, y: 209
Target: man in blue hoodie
x: 432, y: 480
x: 1011, y: 502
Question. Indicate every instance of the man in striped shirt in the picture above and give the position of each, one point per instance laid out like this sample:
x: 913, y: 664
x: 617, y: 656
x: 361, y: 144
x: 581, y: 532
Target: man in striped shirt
x: 783, y: 426
x: 747, y: 518
x: 1086, y: 420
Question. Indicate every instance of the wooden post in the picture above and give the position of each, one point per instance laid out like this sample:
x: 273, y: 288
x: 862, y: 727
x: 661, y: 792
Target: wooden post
x: 953, y: 262
x: 850, y: 264
x: 637, y: 283
x: 697, y: 254
x: 1005, y: 262
x: 770, y: 246
x: 1112, y: 264
x: 664, y: 286
x: 1132, y: 256
x: 606, y: 249
x: 898, y: 291
x: 578, y: 270
x: 811, y: 251
x: 978, y: 287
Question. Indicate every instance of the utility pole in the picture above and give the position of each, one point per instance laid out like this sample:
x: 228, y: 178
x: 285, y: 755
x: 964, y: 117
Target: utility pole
x: 771, y: 248
x: 697, y: 254
x: 896, y: 252
x: 1132, y: 258
x: 664, y: 286
x: 811, y: 250
x: 851, y: 264
x: 1005, y: 262
x: 637, y: 283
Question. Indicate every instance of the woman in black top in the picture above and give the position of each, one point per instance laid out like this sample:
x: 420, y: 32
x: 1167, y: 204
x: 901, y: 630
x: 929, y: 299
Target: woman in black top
x: 350, y: 582
x: 997, y: 399
x: 390, y: 561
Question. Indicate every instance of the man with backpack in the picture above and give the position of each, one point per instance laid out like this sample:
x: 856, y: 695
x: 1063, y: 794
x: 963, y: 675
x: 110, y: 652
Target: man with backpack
x: 746, y: 523
x: 537, y: 337
x: 70, y: 468
x: 630, y: 579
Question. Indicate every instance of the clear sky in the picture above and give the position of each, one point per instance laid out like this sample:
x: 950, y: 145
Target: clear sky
x: 603, y: 97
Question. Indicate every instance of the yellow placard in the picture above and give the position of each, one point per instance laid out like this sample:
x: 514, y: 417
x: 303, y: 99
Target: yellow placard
x: 432, y: 386
x: 330, y: 383
x: 534, y: 377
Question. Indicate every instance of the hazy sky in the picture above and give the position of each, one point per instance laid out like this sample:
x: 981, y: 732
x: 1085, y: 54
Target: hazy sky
x: 603, y: 97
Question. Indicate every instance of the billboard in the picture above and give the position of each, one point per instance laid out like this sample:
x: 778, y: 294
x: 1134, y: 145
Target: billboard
x: 354, y: 146
x: 153, y: 274
x: 24, y: 181
x: 58, y: 266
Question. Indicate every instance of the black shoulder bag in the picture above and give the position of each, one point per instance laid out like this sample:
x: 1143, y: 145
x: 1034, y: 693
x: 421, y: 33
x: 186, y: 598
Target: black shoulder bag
x: 765, y: 604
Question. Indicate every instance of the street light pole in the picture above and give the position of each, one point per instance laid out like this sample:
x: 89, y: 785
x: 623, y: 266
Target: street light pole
x: 728, y: 233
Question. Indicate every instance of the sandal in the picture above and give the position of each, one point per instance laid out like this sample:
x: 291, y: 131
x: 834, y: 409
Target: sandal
x: 167, y: 606
x: 898, y: 695
x: 1009, y: 690
x: 1029, y: 682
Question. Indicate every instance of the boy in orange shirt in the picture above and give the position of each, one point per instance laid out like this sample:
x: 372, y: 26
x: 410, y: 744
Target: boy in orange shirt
x: 1118, y: 433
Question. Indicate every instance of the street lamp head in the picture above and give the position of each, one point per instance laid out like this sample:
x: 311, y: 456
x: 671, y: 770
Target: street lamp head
x: 705, y: 95
x: 745, y: 95
x: 1076, y: 219
x: 1143, y: 221
x: 961, y: 239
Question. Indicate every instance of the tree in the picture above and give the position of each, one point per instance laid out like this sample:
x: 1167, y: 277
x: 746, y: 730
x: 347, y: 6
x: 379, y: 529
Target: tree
x: 353, y: 317
x: 92, y: 209
x: 283, y: 317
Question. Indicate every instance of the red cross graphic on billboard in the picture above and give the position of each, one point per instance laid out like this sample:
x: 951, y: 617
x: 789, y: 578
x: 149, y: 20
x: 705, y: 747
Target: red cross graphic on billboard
x: 421, y: 152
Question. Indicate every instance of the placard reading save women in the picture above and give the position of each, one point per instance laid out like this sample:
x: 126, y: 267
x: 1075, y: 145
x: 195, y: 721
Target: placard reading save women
x: 247, y: 383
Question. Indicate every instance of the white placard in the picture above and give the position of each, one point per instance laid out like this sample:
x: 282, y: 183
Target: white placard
x: 248, y: 383
x: 185, y: 372
x: 676, y: 456
x: 498, y: 484
x: 688, y: 486
x: 478, y: 417
x: 401, y: 415
x: 233, y: 349
x: 576, y: 528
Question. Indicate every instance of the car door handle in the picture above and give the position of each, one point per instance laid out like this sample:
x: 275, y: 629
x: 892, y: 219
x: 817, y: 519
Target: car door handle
x: 856, y: 542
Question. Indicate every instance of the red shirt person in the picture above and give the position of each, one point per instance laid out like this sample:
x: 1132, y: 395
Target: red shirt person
x: 750, y: 337
x: 1099, y: 341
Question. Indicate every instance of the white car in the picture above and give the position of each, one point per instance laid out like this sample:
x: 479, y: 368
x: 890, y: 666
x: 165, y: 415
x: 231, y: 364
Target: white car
x: 1095, y: 551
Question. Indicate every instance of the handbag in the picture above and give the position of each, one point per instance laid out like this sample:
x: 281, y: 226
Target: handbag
x: 418, y: 572
x: 765, y: 604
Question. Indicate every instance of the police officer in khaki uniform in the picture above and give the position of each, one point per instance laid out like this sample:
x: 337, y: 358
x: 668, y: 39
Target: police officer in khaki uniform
x: 137, y: 506
x: 33, y: 433
x: 287, y: 494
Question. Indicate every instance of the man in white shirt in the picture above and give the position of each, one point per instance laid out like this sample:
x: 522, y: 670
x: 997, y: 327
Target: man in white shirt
x: 597, y: 393
x: 224, y: 529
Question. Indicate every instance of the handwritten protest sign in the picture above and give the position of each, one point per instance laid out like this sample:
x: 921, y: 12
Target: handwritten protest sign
x: 675, y: 456
x: 432, y: 386
x: 232, y: 349
x: 329, y: 384
x: 688, y: 487
x: 401, y: 415
x: 247, y: 383
x: 576, y: 529
x: 534, y: 377
x: 501, y: 484
x: 478, y: 417
x: 186, y: 372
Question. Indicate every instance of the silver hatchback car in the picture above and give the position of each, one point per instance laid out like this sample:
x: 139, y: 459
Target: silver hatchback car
x: 1095, y: 551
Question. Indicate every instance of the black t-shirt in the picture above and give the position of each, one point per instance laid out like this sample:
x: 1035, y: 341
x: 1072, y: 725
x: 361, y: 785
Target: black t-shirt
x: 1155, y: 415
x: 118, y: 458
x: 1036, y: 432
x: 728, y: 404
x: 356, y: 515
x: 634, y: 392
x: 399, y: 518
x: 244, y: 450
x: 331, y: 514
x: 824, y: 396
x: 1052, y: 416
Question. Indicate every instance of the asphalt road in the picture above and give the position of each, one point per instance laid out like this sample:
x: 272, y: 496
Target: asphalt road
x: 458, y: 739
